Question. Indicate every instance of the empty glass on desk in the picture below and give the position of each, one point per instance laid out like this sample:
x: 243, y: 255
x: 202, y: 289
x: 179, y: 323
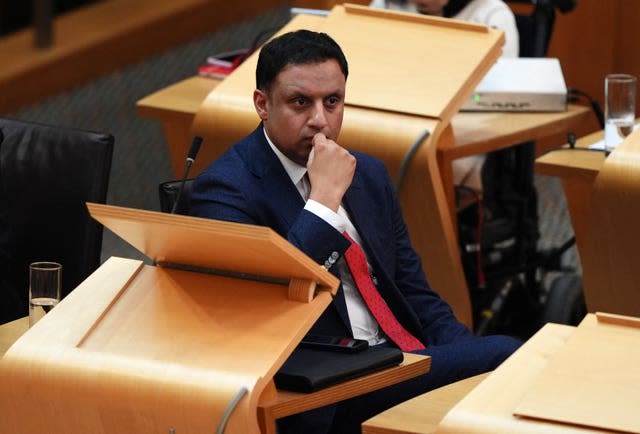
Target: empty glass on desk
x: 619, y: 108
x: 44, y: 288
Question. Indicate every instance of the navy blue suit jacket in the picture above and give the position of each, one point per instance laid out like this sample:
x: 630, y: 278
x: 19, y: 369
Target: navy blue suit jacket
x: 248, y: 184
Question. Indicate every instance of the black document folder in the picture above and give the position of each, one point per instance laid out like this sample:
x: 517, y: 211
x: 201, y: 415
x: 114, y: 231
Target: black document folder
x: 308, y: 370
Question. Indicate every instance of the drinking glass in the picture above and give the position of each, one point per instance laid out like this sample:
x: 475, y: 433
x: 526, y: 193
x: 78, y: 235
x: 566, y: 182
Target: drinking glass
x: 619, y: 108
x: 44, y: 288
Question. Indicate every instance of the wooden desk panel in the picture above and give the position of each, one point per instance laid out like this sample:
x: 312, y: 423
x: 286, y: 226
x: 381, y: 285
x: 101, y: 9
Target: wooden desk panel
x: 276, y: 404
x: 577, y: 170
x: 287, y: 403
x: 482, y: 404
x: 422, y: 414
x: 176, y: 106
x: 489, y: 407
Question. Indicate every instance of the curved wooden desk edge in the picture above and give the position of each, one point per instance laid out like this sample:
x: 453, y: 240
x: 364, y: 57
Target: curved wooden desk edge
x: 286, y: 403
x: 422, y: 414
x: 611, y: 282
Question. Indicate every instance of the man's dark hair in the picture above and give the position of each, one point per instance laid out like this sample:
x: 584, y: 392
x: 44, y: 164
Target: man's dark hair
x: 296, y: 48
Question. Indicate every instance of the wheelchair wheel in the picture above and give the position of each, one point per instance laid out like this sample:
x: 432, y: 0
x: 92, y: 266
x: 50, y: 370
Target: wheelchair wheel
x: 565, y: 301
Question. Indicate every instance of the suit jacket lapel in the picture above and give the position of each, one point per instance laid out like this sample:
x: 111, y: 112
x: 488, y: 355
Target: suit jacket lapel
x: 263, y: 163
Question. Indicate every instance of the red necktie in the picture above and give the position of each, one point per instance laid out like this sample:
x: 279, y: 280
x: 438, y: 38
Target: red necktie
x: 357, y: 263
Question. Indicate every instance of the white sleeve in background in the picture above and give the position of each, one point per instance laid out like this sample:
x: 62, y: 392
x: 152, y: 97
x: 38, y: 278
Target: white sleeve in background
x: 494, y: 13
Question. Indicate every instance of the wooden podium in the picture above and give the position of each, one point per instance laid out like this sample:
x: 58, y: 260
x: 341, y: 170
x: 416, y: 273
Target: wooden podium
x: 188, y: 346
x: 563, y: 380
x: 408, y: 75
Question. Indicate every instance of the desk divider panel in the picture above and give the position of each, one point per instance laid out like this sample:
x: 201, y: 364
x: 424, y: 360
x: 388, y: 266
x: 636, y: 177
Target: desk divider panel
x: 594, y: 380
x: 153, y: 349
x: 563, y: 380
x: 609, y: 250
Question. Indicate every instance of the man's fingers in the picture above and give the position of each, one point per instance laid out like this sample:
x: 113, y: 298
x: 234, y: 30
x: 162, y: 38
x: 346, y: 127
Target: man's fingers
x: 318, y: 139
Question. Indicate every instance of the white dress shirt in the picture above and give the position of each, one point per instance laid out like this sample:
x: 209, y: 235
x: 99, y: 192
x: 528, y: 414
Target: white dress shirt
x: 363, y: 324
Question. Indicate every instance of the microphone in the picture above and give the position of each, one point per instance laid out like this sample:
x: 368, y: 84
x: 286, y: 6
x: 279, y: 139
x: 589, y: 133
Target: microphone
x: 191, y: 157
x: 195, y: 147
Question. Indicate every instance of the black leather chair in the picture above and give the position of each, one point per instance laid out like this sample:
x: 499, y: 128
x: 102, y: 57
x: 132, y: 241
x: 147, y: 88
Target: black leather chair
x: 169, y: 192
x: 535, y: 29
x: 47, y: 173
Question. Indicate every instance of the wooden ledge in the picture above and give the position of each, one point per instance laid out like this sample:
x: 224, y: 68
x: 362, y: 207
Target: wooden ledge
x: 98, y: 39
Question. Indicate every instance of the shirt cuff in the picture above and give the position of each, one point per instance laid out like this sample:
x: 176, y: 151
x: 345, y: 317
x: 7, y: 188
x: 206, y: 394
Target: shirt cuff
x: 334, y: 219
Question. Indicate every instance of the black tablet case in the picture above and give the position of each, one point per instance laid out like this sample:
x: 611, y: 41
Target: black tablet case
x: 308, y: 370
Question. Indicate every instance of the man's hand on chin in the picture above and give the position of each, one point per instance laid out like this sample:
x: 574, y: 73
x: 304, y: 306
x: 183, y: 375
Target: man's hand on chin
x: 330, y: 168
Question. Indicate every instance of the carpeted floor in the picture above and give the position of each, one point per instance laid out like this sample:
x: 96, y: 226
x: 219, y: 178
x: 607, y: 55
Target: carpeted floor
x: 141, y: 159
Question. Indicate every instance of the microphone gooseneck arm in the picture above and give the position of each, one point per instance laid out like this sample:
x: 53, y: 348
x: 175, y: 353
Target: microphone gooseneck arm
x: 191, y: 157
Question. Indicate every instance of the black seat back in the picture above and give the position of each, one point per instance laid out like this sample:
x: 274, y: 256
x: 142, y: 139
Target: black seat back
x: 535, y: 28
x: 169, y: 192
x: 47, y: 174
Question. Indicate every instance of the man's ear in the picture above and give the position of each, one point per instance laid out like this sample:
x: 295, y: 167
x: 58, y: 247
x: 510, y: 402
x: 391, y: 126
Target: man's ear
x: 260, y: 103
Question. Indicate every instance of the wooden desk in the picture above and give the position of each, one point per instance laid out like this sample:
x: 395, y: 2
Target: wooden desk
x: 577, y: 170
x: 422, y: 414
x: 478, y: 133
x: 278, y: 404
x: 556, y: 383
x: 175, y: 107
x: 425, y: 413
x: 485, y: 403
x: 287, y: 403
x: 474, y: 133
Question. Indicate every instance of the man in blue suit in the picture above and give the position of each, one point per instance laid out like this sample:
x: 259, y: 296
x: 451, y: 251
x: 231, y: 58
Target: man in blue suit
x: 291, y: 175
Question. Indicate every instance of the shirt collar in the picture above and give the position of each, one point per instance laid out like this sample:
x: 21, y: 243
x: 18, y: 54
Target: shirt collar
x: 293, y: 169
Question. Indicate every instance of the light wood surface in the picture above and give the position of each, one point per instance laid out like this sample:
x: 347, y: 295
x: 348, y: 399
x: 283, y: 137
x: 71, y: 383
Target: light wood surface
x: 611, y: 277
x: 286, y: 403
x: 97, y: 39
x: 489, y: 407
x: 383, y: 77
x: 145, y: 349
x: 481, y: 132
x: 564, y: 379
x: 176, y: 106
x: 486, y: 404
x: 577, y: 169
x: 277, y: 404
x: 422, y: 414
x: 212, y: 245
x: 104, y: 368
x: 583, y: 387
x: 602, y: 194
